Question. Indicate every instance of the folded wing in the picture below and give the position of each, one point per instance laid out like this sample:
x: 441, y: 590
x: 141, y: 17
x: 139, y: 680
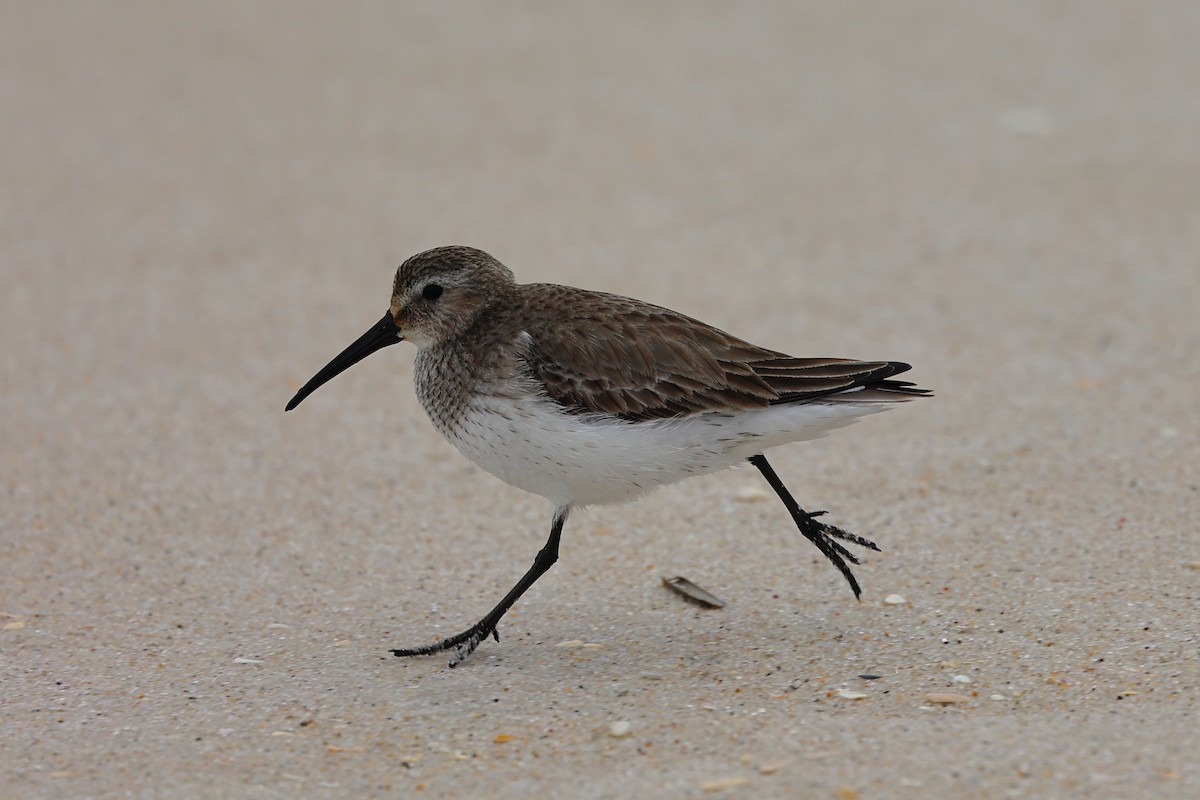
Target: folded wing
x: 601, y: 353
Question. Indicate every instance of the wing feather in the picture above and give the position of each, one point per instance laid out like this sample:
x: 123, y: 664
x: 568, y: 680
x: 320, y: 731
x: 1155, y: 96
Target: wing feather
x: 602, y: 353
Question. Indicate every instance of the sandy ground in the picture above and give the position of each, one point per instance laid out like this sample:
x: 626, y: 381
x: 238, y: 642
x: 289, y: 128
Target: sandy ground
x: 202, y: 203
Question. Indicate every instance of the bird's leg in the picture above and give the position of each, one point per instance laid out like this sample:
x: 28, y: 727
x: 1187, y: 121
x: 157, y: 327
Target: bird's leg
x: 819, y: 533
x: 465, y: 643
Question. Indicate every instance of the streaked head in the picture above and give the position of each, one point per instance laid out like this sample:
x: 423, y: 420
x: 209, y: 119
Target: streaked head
x: 441, y: 292
x: 436, y: 294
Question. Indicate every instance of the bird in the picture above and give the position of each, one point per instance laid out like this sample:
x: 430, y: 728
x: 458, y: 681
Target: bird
x: 588, y: 398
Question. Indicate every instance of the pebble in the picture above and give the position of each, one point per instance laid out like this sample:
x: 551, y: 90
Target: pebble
x: 850, y: 694
x: 998, y: 697
x: 619, y: 730
x: 894, y: 600
x: 946, y: 698
x: 961, y: 679
x: 751, y: 494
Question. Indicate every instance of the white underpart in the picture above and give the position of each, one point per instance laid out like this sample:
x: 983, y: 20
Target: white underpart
x: 569, y: 459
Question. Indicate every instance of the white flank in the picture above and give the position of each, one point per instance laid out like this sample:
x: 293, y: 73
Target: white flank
x: 531, y: 443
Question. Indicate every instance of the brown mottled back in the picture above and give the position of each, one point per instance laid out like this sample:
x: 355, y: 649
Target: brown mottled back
x: 597, y: 352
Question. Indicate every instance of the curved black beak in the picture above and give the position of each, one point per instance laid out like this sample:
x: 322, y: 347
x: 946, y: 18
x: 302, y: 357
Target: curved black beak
x: 381, y: 335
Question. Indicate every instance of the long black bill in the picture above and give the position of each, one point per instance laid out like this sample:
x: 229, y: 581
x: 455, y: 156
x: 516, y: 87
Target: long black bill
x: 381, y: 335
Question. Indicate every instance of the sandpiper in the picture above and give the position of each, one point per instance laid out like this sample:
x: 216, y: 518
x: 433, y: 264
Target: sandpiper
x: 586, y: 398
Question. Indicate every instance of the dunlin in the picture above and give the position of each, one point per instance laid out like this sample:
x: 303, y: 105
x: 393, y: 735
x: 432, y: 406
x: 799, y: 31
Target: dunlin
x: 587, y: 398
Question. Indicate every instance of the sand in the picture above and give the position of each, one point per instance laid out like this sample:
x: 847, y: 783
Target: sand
x: 202, y: 203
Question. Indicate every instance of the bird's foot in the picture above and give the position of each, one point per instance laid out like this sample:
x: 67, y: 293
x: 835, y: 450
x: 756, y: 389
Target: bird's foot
x: 846, y: 536
x: 825, y: 537
x: 463, y: 643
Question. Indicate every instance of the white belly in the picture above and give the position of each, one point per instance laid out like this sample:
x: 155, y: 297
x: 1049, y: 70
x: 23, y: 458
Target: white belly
x: 584, y: 460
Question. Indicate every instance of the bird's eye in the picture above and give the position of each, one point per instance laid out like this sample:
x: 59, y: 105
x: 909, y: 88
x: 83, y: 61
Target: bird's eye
x: 432, y: 291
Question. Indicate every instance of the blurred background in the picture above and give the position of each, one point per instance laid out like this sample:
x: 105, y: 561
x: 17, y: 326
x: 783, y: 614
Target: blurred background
x: 201, y: 203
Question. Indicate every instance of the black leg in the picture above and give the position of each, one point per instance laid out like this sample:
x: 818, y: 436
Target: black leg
x: 465, y: 643
x: 819, y: 533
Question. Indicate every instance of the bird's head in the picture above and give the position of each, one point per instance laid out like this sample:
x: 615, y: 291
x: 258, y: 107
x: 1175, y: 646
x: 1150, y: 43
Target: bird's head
x: 436, y: 295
